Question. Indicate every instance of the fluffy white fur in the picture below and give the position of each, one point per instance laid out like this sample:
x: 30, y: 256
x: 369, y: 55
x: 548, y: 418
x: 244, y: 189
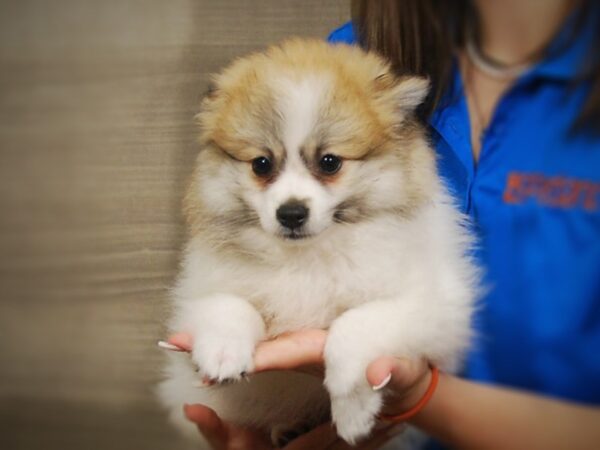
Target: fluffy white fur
x: 392, y: 284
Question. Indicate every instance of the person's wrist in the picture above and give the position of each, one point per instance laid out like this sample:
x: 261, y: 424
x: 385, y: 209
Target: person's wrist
x: 415, y: 393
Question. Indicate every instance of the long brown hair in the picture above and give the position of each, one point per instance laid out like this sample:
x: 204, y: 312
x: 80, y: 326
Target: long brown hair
x: 420, y: 37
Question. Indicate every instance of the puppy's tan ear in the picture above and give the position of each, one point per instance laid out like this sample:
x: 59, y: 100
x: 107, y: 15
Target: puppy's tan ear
x: 404, y: 93
x: 208, y: 100
x: 208, y: 104
x: 211, y: 91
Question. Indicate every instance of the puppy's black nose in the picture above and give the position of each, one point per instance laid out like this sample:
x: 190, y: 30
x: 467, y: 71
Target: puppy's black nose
x: 292, y: 214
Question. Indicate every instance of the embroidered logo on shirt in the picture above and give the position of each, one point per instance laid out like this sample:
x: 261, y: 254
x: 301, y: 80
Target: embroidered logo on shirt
x: 555, y: 191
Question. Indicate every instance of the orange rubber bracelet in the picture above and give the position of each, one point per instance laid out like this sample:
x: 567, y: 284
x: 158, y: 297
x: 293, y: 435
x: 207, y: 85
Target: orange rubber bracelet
x: 435, y: 376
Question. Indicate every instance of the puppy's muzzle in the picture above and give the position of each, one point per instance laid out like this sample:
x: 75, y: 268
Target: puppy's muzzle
x: 292, y: 214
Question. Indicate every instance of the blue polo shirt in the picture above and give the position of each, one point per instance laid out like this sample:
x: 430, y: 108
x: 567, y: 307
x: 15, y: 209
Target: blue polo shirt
x: 534, y: 197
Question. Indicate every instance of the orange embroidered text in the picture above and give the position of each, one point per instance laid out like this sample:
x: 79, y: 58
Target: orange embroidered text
x: 556, y: 191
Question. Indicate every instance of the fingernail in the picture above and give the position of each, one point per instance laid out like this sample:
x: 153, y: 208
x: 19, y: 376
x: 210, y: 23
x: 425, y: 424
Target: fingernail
x: 167, y: 346
x: 384, y: 383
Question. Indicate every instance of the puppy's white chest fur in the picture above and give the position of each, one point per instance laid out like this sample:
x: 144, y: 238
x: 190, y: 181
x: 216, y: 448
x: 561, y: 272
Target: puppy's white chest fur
x: 391, y: 286
x: 308, y: 286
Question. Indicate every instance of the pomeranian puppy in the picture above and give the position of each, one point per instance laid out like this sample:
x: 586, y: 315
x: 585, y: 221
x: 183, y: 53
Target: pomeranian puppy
x: 315, y: 203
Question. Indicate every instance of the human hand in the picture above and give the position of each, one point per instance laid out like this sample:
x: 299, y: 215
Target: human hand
x: 222, y: 435
x: 405, y: 382
x: 299, y: 350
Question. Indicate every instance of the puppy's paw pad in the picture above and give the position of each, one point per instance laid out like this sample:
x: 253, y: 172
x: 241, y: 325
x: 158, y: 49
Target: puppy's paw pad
x: 225, y: 359
x: 354, y: 416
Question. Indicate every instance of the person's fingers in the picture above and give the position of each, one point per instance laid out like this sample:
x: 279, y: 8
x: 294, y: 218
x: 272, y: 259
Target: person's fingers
x: 287, y: 351
x: 222, y: 435
x: 397, y: 374
x: 379, y: 372
x: 299, y: 350
x: 184, y: 341
x: 405, y: 381
x: 209, y: 424
x: 291, y: 351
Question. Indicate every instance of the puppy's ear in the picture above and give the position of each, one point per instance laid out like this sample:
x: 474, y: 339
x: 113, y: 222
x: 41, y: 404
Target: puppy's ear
x: 208, y: 104
x: 208, y: 99
x: 404, y: 93
x: 211, y: 91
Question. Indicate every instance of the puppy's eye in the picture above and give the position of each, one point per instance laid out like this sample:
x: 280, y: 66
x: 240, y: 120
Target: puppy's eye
x: 262, y: 166
x: 330, y: 164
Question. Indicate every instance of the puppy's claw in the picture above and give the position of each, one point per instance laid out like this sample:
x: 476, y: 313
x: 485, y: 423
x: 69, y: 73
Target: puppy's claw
x: 223, y: 360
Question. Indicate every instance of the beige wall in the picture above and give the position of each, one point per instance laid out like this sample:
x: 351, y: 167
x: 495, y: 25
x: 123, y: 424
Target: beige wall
x: 96, y: 141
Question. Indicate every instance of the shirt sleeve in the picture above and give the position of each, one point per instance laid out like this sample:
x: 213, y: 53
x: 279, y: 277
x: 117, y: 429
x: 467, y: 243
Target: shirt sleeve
x: 343, y: 35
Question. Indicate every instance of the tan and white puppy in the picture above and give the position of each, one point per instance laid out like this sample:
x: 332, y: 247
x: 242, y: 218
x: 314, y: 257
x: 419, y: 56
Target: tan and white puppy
x: 315, y: 204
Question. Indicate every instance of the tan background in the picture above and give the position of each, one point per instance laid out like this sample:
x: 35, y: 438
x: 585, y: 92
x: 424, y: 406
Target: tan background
x: 96, y: 141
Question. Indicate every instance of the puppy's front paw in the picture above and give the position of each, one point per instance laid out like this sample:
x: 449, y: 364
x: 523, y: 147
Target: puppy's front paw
x: 354, y: 415
x: 223, y: 358
x: 349, y: 349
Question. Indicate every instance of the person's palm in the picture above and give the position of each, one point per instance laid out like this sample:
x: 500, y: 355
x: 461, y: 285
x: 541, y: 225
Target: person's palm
x: 227, y: 436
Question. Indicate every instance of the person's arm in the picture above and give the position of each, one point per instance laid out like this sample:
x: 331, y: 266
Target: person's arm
x: 468, y: 415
